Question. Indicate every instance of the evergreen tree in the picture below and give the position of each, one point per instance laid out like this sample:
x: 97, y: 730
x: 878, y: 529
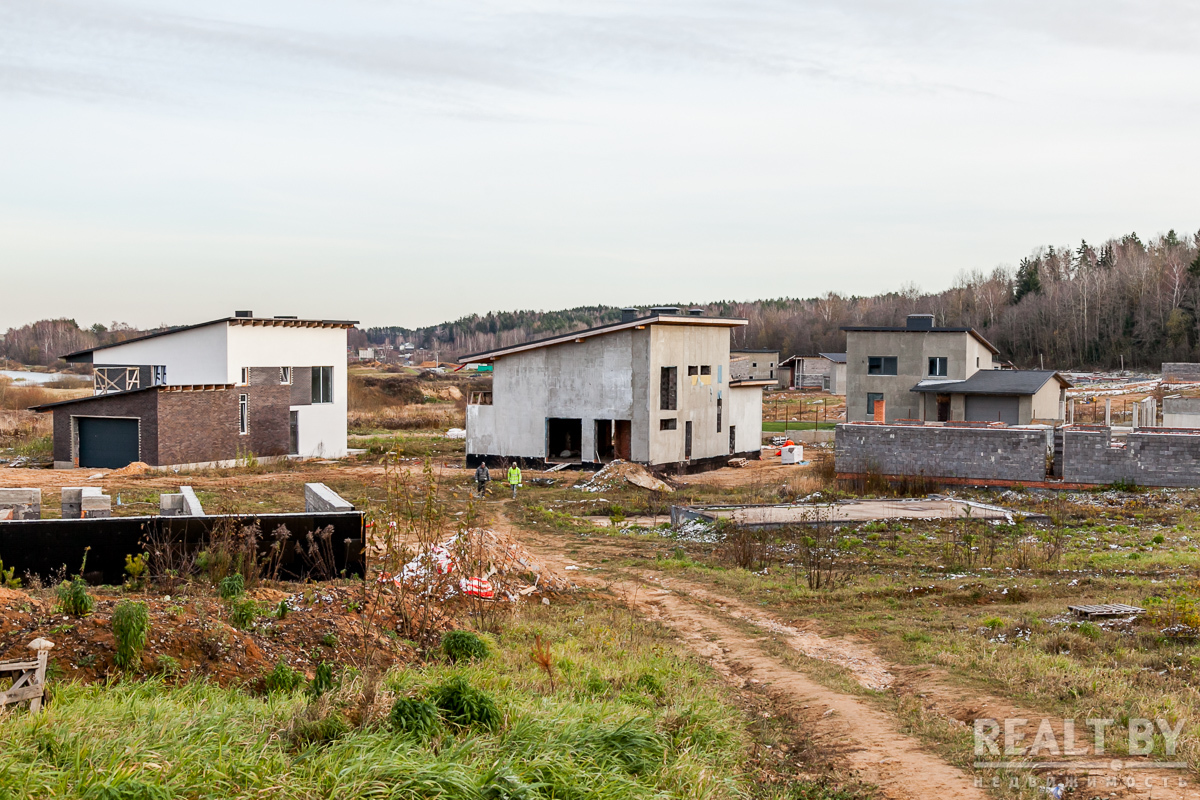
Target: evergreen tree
x: 1029, y: 279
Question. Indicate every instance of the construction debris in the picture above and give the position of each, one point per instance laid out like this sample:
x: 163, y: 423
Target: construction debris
x: 737, y: 462
x: 1105, y: 610
x: 618, y: 472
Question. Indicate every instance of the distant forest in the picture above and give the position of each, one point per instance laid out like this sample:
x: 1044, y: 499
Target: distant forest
x: 1081, y: 307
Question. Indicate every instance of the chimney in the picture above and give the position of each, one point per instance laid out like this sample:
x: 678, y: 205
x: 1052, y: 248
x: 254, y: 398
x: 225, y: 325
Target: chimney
x: 920, y: 322
x: 665, y: 311
x: 630, y: 314
x: 695, y: 312
x: 243, y: 314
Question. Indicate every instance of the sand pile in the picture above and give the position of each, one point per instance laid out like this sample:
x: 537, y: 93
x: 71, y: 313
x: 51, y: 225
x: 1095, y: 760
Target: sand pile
x: 619, y: 472
x: 136, y: 468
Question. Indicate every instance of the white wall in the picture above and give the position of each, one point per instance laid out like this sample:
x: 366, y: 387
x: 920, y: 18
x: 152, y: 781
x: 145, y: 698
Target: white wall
x: 199, y: 355
x: 746, y: 414
x: 682, y: 346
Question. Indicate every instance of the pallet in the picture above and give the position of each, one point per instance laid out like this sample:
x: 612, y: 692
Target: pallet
x: 1105, y: 610
x: 28, y: 677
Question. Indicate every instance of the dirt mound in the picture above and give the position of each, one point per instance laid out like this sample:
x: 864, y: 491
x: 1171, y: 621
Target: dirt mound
x: 136, y: 468
x: 618, y: 472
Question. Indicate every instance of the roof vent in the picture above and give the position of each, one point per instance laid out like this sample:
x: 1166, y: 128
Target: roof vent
x: 665, y: 311
x: 243, y: 314
x: 630, y: 314
x: 920, y: 322
x: 695, y: 312
x: 283, y: 316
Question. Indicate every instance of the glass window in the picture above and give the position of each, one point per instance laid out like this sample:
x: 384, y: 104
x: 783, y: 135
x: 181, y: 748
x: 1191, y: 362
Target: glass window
x: 881, y: 365
x: 667, y: 389
x: 939, y: 366
x: 245, y: 381
x: 872, y: 399
x: 667, y: 424
x: 322, y: 384
x: 719, y: 409
x: 242, y: 419
x: 285, y: 374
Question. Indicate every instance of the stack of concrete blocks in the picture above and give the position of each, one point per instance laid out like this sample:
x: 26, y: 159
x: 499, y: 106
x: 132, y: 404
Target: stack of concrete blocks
x: 183, y: 504
x: 20, y: 504
x: 319, y: 497
x: 1181, y: 412
x: 85, y: 502
x: 1009, y: 454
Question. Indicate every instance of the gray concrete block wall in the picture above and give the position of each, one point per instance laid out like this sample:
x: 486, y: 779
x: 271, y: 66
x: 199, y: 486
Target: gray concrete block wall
x: 1010, y: 454
x: 23, y: 503
x: 1147, y: 459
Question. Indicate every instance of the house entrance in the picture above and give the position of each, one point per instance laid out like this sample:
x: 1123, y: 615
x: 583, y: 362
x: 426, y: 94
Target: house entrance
x: 943, y: 408
x: 564, y: 438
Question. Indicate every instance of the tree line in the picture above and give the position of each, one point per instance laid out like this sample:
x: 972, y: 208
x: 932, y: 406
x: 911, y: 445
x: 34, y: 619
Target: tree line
x: 44, y: 342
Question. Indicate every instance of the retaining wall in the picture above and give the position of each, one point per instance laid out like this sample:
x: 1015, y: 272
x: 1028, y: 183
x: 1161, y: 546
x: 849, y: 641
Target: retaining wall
x: 1001, y: 454
x: 1147, y: 458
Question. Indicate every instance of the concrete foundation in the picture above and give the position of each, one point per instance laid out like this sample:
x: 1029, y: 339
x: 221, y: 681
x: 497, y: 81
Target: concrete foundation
x: 319, y: 497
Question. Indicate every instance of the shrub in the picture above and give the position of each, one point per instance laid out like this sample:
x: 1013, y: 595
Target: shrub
x: 168, y: 666
x: 135, y: 568
x: 282, y: 678
x: 281, y: 610
x: 463, y: 705
x: 322, y: 680
x: 242, y: 613
x: 231, y: 586
x: 127, y: 789
x: 1158, y: 538
x: 74, y: 597
x: 7, y: 579
x: 317, y: 725
x: 464, y: 646
x: 413, y: 717
x: 330, y: 640
x: 130, y: 624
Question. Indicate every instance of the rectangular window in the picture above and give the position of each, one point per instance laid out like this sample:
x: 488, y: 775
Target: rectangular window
x: 705, y: 369
x: 939, y: 367
x: 667, y: 424
x: 881, y: 365
x: 322, y: 384
x: 245, y: 380
x: 976, y: 362
x: 693, y: 371
x: 285, y: 375
x: 720, y: 373
x: 687, y: 439
x: 160, y: 376
x: 242, y: 413
x: 667, y: 390
x: 872, y: 398
x: 719, y: 409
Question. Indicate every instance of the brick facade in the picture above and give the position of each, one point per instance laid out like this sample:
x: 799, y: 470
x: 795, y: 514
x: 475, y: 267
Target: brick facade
x: 142, y: 405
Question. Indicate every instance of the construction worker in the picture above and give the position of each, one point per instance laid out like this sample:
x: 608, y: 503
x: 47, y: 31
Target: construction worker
x: 514, y: 478
x: 482, y: 476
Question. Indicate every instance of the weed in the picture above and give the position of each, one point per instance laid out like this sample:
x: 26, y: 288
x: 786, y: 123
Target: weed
x: 650, y: 684
x: 281, y: 610
x: 126, y: 789
x: 330, y: 640
x: 243, y: 612
x: 461, y: 645
x: 130, y: 624
x: 6, y: 577
x: 322, y: 681
x: 74, y: 598
x: 542, y: 656
x: 464, y: 706
x: 231, y: 586
x: 282, y: 678
x: 413, y: 717
x: 318, y: 723
x: 167, y: 666
x: 136, y: 568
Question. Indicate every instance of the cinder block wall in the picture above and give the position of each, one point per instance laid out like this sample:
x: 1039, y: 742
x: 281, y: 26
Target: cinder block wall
x: 937, y: 452
x: 1148, y: 459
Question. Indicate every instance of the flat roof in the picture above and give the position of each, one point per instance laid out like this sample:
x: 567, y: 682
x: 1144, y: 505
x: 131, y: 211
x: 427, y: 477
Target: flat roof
x: 85, y: 356
x: 600, y: 330
x: 901, y: 329
x: 994, y: 381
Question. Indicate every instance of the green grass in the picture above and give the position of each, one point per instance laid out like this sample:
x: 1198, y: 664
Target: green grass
x: 777, y: 427
x: 603, y: 731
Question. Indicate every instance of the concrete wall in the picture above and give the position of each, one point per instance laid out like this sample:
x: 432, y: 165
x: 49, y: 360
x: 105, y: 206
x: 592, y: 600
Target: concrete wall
x: 913, y: 349
x: 758, y: 366
x: 1181, y: 412
x: 746, y: 413
x: 684, y: 346
x: 1048, y: 403
x: 1147, y: 458
x: 1180, y: 372
x: 1011, y: 454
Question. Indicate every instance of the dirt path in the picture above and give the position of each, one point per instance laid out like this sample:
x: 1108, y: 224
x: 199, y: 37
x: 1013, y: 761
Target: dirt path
x: 849, y: 729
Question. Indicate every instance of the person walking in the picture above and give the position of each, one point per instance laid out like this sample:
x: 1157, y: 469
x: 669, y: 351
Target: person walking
x: 482, y: 476
x: 514, y: 478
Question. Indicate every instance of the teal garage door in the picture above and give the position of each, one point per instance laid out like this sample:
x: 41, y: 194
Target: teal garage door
x: 107, y: 443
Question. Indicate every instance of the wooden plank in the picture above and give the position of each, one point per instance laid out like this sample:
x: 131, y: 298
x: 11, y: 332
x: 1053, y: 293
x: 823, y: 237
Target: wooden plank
x: 17, y: 666
x: 24, y: 693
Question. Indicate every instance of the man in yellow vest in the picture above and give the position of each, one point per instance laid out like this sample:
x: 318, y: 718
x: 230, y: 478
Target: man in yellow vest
x: 514, y: 478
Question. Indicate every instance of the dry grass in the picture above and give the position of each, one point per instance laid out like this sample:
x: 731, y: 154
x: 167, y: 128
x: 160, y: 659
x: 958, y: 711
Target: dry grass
x: 408, y: 418
x: 25, y: 424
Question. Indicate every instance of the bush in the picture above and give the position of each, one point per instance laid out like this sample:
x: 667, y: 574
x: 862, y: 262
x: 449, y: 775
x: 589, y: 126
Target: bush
x: 7, y: 579
x: 135, y: 568
x: 168, y: 666
x: 318, y: 725
x: 282, y: 678
x: 130, y: 624
x: 464, y: 646
x: 74, y: 597
x: 463, y: 705
x: 322, y: 680
x: 242, y: 613
x: 414, y: 717
x: 231, y: 586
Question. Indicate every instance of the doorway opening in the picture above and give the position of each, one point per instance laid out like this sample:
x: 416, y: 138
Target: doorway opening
x: 564, y: 439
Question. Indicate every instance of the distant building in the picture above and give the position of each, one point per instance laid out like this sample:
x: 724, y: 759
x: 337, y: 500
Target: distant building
x: 824, y: 371
x: 756, y: 365
x: 653, y: 388
x: 1014, y: 397
x: 209, y: 394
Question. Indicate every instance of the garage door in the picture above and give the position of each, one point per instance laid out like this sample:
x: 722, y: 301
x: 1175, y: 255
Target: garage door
x: 108, y: 443
x: 981, y: 408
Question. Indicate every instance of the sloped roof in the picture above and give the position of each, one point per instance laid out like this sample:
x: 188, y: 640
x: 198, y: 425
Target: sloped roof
x: 994, y: 381
x: 600, y: 330
x: 837, y: 358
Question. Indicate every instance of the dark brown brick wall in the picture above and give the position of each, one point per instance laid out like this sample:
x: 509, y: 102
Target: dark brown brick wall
x: 301, y: 386
x: 268, y: 428
x: 197, y: 426
x: 141, y: 405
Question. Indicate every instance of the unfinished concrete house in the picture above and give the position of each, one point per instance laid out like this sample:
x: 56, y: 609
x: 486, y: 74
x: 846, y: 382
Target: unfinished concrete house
x: 208, y: 394
x: 756, y: 365
x: 823, y: 372
x: 653, y: 388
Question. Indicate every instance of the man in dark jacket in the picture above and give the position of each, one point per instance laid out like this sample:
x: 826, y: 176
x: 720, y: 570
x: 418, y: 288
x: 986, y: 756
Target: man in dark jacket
x: 482, y: 476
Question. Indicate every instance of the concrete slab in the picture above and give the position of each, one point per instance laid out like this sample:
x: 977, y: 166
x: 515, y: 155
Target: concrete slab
x: 850, y: 512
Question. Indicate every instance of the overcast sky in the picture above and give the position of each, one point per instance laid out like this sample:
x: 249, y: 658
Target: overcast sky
x: 410, y: 162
